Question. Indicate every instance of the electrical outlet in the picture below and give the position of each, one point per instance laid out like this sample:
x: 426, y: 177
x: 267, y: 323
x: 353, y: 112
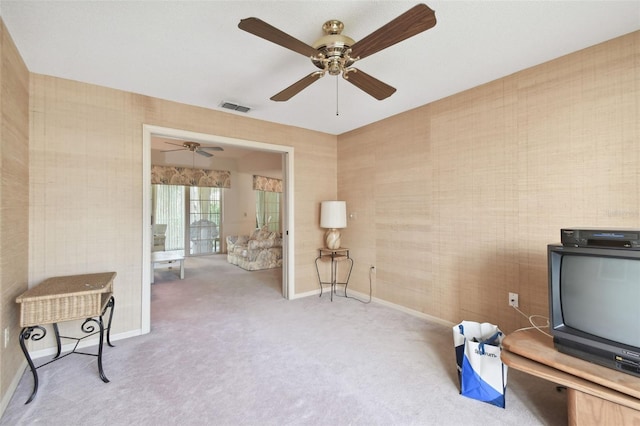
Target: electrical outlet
x: 513, y: 299
x: 6, y: 337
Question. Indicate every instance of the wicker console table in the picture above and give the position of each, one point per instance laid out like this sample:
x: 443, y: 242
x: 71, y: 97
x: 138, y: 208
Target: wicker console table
x: 65, y: 299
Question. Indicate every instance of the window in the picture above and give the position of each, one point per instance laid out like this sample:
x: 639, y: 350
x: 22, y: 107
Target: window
x: 168, y: 208
x: 205, y: 206
x: 268, y: 210
x: 173, y: 204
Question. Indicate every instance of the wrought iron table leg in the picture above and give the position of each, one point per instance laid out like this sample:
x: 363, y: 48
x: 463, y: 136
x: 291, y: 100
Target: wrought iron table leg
x: 28, y: 333
x: 334, y: 275
x: 318, y: 272
x: 100, y: 370
x: 110, y: 304
x: 346, y: 282
x: 56, y: 331
x: 87, y: 328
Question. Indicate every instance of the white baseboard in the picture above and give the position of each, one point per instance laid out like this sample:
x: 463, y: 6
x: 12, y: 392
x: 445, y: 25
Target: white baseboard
x: 404, y: 309
x: 15, y: 381
x: 305, y: 294
x: 365, y: 297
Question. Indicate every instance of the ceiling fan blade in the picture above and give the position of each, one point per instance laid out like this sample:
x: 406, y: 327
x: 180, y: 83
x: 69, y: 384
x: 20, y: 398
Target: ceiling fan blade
x: 268, y: 32
x: 203, y: 153
x: 371, y: 85
x: 297, y: 87
x: 212, y: 148
x: 414, y: 21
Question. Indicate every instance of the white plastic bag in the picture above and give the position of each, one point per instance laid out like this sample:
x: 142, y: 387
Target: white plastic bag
x: 481, y: 372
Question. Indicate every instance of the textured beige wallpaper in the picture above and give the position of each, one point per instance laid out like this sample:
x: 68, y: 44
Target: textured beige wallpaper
x: 456, y: 201
x: 14, y: 200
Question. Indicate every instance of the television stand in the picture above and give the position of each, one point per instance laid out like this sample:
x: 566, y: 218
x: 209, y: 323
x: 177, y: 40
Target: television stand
x: 595, y: 394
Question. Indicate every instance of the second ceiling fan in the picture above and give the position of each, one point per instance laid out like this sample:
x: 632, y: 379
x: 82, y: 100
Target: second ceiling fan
x: 196, y: 148
x: 335, y: 53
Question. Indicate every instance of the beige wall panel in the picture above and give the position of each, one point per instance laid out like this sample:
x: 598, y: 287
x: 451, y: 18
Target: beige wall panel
x: 507, y: 164
x: 474, y: 177
x: 579, y: 167
x: 382, y: 183
x: 14, y: 200
x: 86, y: 189
x: 316, y: 182
x: 358, y: 171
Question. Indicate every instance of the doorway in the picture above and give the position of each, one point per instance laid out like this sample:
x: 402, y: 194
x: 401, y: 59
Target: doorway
x: 149, y: 131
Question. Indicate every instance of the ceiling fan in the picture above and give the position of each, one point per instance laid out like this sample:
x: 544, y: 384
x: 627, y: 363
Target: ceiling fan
x: 335, y: 53
x: 195, y: 147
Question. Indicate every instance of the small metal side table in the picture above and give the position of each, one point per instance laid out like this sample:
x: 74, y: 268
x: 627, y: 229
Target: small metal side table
x: 335, y: 256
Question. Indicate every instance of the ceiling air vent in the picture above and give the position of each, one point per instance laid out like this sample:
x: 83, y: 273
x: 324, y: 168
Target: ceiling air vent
x: 235, y: 107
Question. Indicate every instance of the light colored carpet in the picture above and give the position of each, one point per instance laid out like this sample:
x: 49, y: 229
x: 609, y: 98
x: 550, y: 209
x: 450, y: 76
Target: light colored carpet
x: 227, y: 349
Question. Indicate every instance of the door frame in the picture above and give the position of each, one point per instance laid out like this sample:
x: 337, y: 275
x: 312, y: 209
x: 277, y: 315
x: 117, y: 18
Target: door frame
x: 288, y: 265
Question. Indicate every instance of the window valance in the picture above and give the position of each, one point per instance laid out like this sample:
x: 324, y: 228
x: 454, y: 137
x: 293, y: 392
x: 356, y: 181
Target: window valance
x: 170, y: 175
x: 263, y: 183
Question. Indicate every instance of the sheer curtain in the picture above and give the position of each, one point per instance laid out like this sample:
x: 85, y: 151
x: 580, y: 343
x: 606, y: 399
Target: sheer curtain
x: 268, y: 198
x: 268, y: 210
x: 168, y: 208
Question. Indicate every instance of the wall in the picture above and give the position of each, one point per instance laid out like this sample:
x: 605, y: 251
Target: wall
x: 456, y: 201
x: 14, y: 203
x: 86, y: 181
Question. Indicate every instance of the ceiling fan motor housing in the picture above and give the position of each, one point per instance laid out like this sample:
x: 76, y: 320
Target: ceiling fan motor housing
x: 191, y: 146
x: 333, y: 48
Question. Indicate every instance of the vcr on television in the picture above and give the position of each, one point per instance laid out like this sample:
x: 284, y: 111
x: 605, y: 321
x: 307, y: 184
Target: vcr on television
x: 594, y: 237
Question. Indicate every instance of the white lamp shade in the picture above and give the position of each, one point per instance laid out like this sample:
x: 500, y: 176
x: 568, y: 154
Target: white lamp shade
x: 333, y: 214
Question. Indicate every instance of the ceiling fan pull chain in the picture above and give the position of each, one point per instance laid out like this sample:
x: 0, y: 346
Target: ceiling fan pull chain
x: 337, y: 113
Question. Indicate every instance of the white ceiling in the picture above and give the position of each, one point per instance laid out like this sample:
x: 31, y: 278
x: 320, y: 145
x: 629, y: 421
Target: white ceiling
x: 193, y: 52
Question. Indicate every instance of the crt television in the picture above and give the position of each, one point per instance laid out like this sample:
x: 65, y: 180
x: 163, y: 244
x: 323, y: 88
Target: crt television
x: 594, y: 303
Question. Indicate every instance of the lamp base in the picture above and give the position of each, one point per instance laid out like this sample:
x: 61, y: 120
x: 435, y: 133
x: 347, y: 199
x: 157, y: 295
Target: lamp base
x: 332, y: 239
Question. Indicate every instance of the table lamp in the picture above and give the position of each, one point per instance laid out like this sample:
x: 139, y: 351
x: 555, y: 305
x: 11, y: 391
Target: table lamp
x: 333, y: 215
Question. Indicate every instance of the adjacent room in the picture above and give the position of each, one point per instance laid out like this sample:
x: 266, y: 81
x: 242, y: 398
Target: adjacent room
x: 182, y: 151
x: 204, y: 197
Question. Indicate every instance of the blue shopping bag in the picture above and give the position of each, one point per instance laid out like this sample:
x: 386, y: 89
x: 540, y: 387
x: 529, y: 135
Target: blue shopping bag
x: 481, y: 373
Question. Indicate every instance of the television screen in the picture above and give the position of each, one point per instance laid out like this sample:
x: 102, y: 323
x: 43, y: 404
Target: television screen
x: 601, y: 296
